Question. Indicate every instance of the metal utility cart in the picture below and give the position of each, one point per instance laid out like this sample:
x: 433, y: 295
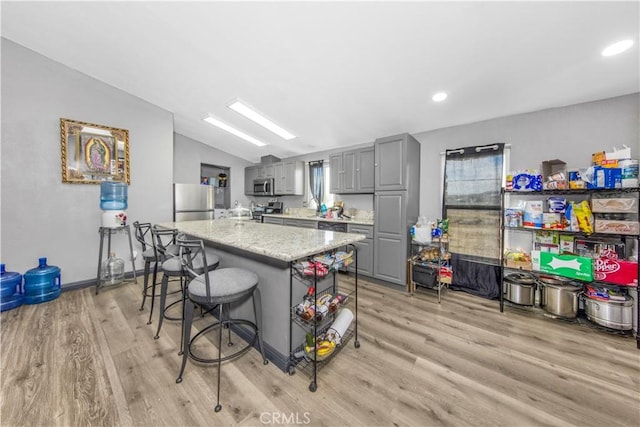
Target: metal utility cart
x: 321, y: 281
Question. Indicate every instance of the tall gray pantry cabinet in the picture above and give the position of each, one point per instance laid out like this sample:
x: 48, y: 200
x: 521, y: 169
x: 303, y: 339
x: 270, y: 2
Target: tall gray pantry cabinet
x: 396, y: 204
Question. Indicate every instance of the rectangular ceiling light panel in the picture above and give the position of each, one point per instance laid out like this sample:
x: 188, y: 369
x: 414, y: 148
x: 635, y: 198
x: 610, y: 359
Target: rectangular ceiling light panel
x: 233, y: 131
x: 250, y: 113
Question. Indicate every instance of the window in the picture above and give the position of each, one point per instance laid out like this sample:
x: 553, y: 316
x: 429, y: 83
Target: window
x: 473, y: 179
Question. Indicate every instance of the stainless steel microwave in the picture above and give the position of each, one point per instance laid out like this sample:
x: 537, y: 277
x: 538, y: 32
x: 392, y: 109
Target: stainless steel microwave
x: 263, y: 187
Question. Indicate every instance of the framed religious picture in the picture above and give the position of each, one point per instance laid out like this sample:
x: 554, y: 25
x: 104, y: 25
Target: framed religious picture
x: 93, y: 153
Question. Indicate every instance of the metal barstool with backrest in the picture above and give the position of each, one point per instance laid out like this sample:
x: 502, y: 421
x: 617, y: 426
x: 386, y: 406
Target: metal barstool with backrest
x: 219, y: 288
x: 164, y: 248
x: 172, y: 267
x: 144, y: 237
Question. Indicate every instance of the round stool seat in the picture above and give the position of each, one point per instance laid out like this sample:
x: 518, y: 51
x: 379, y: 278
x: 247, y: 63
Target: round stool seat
x: 228, y: 284
x: 149, y: 254
x: 173, y: 265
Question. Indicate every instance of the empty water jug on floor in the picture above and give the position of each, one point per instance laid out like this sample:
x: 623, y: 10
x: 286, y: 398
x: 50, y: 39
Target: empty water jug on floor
x: 10, y: 289
x: 113, y: 196
x: 42, y: 283
x: 112, y: 270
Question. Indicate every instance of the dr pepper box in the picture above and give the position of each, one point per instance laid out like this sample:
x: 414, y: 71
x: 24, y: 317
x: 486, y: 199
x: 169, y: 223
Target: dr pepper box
x: 609, y: 269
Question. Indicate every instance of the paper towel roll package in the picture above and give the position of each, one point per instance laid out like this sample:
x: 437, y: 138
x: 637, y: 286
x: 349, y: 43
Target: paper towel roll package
x: 339, y: 326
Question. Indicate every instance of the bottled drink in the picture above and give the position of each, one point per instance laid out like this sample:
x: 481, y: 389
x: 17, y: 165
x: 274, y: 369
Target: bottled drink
x: 113, y: 270
x: 335, y: 303
x: 113, y: 196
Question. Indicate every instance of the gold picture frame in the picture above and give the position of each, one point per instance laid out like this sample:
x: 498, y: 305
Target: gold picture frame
x: 93, y: 153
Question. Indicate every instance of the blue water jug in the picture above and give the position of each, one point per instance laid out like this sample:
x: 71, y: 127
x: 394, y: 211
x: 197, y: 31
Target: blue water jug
x: 42, y: 283
x: 10, y: 289
x: 113, y: 196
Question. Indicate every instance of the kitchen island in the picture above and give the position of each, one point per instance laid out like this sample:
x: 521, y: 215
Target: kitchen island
x: 268, y: 250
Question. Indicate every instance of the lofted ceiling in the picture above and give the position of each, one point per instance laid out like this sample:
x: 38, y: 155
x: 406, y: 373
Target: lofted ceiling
x: 337, y: 73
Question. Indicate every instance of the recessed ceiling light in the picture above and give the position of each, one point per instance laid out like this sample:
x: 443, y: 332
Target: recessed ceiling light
x: 617, y: 48
x: 250, y: 113
x: 439, y: 97
x: 234, y: 131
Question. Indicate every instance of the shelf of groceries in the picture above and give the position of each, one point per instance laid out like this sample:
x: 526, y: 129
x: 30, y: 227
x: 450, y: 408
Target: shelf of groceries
x: 579, y: 228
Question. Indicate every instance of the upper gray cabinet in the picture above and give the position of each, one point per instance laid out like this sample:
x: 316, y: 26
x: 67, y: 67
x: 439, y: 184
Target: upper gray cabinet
x: 250, y: 174
x: 391, y: 162
x: 289, y: 178
x: 266, y: 171
x: 352, y: 171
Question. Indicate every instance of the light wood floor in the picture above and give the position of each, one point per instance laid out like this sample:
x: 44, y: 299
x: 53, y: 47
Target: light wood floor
x: 92, y: 360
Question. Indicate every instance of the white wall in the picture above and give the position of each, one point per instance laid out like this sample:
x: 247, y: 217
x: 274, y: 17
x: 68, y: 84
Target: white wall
x: 189, y: 154
x: 41, y: 216
x: 569, y: 133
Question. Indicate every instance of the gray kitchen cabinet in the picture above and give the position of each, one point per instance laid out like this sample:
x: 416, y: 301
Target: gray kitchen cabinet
x: 365, y: 182
x: 392, y: 156
x: 266, y: 171
x: 272, y: 220
x: 302, y: 223
x: 293, y: 173
x: 391, y: 245
x: 250, y: 173
x: 364, y: 247
x: 288, y: 178
x: 352, y: 171
x: 396, y: 204
x: 278, y: 181
x: 336, y: 185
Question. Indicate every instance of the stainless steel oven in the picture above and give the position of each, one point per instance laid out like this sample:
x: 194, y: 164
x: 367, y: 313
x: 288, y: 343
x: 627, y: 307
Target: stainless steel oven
x: 263, y: 187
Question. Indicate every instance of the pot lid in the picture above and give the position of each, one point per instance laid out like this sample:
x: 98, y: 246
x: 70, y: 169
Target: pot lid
x: 554, y: 280
x: 522, y: 278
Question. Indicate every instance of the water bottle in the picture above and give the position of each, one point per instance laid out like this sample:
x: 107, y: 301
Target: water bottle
x: 113, y: 196
x: 10, y: 289
x: 42, y: 283
x: 113, y: 270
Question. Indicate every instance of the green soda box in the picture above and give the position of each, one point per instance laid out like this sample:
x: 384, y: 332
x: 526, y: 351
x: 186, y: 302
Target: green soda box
x: 565, y: 265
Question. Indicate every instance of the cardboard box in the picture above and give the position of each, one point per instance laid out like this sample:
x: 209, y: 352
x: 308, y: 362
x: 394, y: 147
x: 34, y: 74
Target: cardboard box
x: 613, y: 226
x: 616, y: 271
x: 567, y: 244
x: 548, y: 237
x: 523, y: 265
x: 565, y: 265
x: 532, y: 216
x: 595, y: 248
x: 552, y: 221
x: 622, y: 205
x: 597, y: 158
x: 551, y: 168
x: 554, y: 175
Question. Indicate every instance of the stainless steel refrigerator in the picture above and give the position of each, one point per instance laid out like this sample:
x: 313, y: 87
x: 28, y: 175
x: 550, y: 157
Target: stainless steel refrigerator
x: 193, y: 202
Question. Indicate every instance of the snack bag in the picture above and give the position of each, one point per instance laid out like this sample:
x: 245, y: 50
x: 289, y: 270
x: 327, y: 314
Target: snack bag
x: 583, y: 214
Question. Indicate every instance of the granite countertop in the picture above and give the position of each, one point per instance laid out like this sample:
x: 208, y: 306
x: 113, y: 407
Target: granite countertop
x: 274, y: 241
x: 317, y: 218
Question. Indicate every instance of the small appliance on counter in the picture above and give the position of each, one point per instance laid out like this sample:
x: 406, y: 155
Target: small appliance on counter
x: 272, y: 207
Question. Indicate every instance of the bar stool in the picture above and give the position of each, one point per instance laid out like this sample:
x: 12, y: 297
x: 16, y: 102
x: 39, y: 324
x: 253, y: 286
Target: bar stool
x: 172, y: 267
x: 219, y: 287
x: 142, y: 233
